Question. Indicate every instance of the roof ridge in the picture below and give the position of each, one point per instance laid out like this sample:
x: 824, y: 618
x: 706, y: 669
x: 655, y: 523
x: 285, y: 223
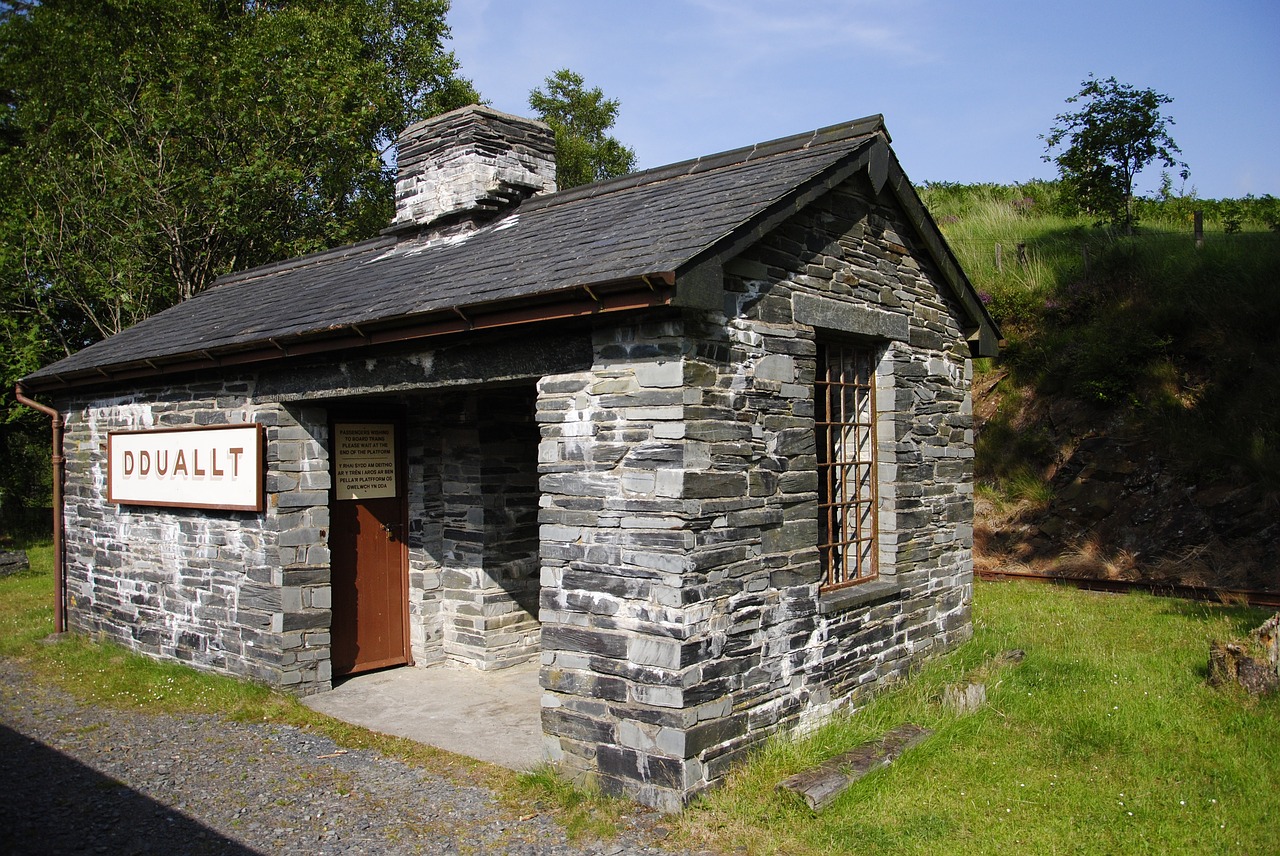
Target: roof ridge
x: 841, y: 131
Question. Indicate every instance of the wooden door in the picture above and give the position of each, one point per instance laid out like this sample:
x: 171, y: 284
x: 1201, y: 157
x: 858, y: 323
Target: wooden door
x: 369, y: 559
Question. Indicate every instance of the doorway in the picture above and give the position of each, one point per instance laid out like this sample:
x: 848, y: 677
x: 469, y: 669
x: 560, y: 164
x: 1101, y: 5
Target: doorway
x: 368, y: 553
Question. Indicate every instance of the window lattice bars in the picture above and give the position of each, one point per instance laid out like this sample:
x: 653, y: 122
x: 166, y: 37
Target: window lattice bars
x: 844, y: 390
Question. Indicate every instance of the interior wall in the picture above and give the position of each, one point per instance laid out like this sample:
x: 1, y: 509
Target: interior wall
x: 473, y: 507
x: 423, y: 459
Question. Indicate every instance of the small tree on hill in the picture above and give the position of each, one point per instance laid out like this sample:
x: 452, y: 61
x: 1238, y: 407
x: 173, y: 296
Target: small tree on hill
x: 580, y: 117
x: 1118, y: 132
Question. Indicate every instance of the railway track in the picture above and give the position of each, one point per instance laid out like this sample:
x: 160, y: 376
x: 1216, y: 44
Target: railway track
x: 1268, y: 600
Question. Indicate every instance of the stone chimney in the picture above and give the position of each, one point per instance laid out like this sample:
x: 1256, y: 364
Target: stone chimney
x: 465, y: 167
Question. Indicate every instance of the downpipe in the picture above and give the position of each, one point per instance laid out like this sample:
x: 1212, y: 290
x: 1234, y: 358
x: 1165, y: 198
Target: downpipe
x: 59, y: 469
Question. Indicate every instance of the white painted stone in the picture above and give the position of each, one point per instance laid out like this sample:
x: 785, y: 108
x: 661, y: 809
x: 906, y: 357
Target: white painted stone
x: 654, y: 414
x: 663, y: 374
x: 651, y: 651
x: 635, y: 735
x: 671, y: 741
x: 669, y: 430
x: 669, y: 483
x: 648, y: 522
x: 670, y: 697
x: 779, y: 367
x: 638, y: 482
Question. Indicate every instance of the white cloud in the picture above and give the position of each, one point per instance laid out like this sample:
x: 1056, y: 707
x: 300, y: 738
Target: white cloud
x: 879, y: 27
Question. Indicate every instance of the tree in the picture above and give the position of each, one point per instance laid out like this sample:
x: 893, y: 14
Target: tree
x: 580, y: 117
x: 149, y: 146
x: 1117, y: 133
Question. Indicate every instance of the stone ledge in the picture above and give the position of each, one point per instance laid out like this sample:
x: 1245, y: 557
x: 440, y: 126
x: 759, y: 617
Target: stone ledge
x: 13, y: 562
x: 863, y: 594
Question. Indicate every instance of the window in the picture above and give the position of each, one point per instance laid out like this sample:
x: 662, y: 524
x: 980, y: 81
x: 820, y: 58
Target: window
x: 845, y: 421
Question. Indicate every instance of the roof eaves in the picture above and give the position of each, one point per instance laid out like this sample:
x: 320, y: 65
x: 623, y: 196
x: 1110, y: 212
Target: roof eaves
x: 634, y: 292
x: 878, y: 158
x: 985, y: 334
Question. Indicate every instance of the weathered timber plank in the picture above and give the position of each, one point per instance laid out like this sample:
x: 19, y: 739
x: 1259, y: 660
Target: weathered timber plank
x: 821, y: 785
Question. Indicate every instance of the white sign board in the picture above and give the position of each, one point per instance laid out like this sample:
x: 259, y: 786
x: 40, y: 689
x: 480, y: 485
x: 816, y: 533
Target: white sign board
x: 215, y: 467
x: 364, y: 460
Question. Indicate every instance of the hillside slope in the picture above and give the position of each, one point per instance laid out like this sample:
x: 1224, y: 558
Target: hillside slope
x: 1131, y: 427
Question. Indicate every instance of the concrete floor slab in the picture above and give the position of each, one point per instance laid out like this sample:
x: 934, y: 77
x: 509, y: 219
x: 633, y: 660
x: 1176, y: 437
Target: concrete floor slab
x: 494, y: 716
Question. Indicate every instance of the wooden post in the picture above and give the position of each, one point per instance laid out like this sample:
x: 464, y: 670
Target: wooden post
x: 999, y: 260
x: 1084, y: 254
x: 1199, y: 229
x: 1022, y: 254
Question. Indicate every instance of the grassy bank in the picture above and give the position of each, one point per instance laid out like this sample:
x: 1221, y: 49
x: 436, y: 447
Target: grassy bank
x: 1171, y: 340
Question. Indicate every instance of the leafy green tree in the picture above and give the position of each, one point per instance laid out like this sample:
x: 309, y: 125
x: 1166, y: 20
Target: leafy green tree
x: 149, y: 146
x: 580, y: 117
x: 1118, y: 131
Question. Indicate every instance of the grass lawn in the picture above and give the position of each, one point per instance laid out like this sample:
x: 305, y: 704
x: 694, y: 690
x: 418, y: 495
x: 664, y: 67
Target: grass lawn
x: 1104, y: 739
x: 1177, y: 342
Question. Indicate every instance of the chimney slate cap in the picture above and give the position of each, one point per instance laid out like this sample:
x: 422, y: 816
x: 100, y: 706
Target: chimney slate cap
x: 480, y: 110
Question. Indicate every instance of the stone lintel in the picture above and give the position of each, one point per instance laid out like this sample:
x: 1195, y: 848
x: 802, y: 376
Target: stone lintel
x: 830, y: 314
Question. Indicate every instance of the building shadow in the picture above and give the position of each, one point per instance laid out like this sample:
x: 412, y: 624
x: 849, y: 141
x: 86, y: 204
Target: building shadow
x: 54, y: 804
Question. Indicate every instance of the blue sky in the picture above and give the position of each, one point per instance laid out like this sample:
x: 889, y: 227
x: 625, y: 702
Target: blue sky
x: 966, y: 86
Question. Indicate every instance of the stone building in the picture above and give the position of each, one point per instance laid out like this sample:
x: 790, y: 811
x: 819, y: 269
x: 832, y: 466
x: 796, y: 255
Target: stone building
x: 699, y: 438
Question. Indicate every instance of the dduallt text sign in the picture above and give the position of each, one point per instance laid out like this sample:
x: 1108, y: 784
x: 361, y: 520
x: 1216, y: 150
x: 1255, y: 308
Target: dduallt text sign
x: 215, y: 467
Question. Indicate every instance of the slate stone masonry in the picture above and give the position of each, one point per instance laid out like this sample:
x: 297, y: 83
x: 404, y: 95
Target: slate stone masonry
x: 683, y: 619
x: 237, y: 592
x: 645, y: 520
x: 475, y: 535
x: 249, y: 594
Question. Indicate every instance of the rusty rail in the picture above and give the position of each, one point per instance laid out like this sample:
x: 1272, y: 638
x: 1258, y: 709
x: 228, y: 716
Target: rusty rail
x: 1269, y: 600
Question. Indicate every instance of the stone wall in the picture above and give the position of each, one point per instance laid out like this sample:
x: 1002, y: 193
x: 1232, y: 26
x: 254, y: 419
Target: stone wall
x: 249, y: 593
x: 488, y: 541
x: 843, y: 270
x: 676, y: 571
x: 682, y: 614
x: 237, y: 592
x: 425, y: 454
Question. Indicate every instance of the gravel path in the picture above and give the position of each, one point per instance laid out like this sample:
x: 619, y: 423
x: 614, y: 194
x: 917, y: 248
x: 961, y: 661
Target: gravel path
x: 84, y: 779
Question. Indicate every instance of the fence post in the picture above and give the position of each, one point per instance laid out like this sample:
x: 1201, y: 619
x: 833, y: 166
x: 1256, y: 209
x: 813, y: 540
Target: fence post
x: 1198, y: 218
x: 1022, y: 254
x: 999, y: 260
x: 1084, y: 254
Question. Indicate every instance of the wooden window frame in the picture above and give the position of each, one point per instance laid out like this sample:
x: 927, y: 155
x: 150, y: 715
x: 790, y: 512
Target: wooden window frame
x: 848, y: 493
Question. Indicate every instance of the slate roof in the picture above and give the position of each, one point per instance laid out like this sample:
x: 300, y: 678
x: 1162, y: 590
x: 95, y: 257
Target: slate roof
x: 645, y: 227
